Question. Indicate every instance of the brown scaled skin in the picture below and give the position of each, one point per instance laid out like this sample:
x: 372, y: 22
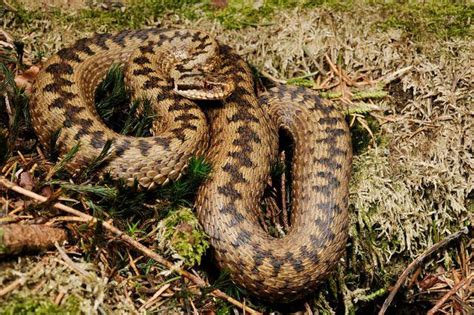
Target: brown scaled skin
x: 243, y: 143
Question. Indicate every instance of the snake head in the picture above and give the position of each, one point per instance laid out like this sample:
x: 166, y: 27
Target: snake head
x: 200, y: 86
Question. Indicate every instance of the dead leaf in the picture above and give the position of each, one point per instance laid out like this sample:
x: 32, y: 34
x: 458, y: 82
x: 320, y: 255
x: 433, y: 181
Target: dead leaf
x: 46, y: 191
x: 428, y: 282
x: 26, y: 181
x: 25, y: 80
x: 219, y: 4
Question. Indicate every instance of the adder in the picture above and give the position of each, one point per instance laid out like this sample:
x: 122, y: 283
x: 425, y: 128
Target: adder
x: 239, y: 138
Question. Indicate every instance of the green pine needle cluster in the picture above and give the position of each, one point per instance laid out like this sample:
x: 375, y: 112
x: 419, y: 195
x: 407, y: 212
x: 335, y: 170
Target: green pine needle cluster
x: 18, y: 106
x: 112, y: 103
x: 181, y: 191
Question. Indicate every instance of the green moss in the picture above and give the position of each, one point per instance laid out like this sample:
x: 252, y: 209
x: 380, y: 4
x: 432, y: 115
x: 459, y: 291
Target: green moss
x: 441, y: 18
x: 185, y: 235
x: 223, y: 309
x: 242, y: 13
x: 301, y: 82
x: 40, y: 306
x: 136, y: 13
x: 23, y: 16
x: 113, y: 100
x: 422, y: 20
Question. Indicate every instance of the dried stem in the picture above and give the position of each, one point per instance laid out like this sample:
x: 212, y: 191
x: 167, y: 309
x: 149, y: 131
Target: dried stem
x: 70, y: 263
x: 272, y: 78
x: 20, y: 281
x: 416, y: 263
x: 459, y: 285
x: 130, y: 241
x: 286, y: 224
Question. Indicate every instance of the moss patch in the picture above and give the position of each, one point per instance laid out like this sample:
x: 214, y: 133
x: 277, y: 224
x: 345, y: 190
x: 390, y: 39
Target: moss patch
x: 183, y: 232
x: 39, y: 306
x: 443, y: 19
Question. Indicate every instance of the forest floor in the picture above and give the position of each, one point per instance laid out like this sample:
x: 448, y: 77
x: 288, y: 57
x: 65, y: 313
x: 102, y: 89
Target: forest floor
x: 401, y: 71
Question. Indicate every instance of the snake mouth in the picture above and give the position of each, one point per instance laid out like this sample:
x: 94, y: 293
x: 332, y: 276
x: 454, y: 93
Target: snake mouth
x: 204, y: 90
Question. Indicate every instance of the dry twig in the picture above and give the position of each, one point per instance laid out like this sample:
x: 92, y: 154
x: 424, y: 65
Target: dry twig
x: 459, y: 285
x: 70, y: 263
x: 20, y: 281
x: 155, y: 297
x: 417, y: 262
x: 284, y: 210
x: 271, y: 78
x: 130, y: 241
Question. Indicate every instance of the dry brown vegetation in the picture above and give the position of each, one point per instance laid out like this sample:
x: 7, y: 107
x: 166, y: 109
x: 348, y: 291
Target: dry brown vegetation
x: 409, y: 99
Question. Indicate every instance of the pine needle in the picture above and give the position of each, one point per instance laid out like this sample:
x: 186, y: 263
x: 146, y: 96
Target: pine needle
x: 64, y: 161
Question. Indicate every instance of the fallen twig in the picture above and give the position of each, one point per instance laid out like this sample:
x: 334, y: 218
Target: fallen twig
x: 20, y: 281
x: 357, y: 95
x: 459, y: 285
x: 415, y: 264
x: 339, y: 73
x: 155, y: 297
x: 70, y: 263
x: 271, y: 78
x: 8, y: 6
x: 130, y: 241
x: 394, y: 75
x: 284, y: 210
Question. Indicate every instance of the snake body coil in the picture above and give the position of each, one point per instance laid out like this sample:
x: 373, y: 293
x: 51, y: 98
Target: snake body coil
x: 171, y: 68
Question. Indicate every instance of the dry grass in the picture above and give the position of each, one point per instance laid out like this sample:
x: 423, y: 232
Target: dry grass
x: 412, y: 182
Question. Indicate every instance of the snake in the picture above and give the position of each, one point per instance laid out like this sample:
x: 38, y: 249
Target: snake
x: 180, y: 71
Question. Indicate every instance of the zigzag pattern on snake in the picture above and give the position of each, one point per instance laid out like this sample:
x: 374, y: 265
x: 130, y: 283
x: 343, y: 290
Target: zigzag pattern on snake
x: 239, y: 138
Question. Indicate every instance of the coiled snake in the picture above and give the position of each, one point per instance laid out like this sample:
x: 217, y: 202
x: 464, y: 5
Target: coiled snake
x: 172, y: 68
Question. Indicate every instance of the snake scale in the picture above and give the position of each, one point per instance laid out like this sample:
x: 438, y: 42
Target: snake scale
x: 239, y: 138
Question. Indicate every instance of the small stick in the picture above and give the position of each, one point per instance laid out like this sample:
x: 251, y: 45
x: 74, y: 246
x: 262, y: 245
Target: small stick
x: 283, y: 193
x: 195, y: 312
x: 416, y: 263
x: 59, y: 298
x: 272, y: 78
x: 8, y: 6
x: 155, y: 297
x: 459, y: 285
x: 340, y: 74
x: 132, y: 263
x: 69, y: 218
x: 20, y: 281
x: 130, y: 241
x: 394, y: 75
x: 70, y: 263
